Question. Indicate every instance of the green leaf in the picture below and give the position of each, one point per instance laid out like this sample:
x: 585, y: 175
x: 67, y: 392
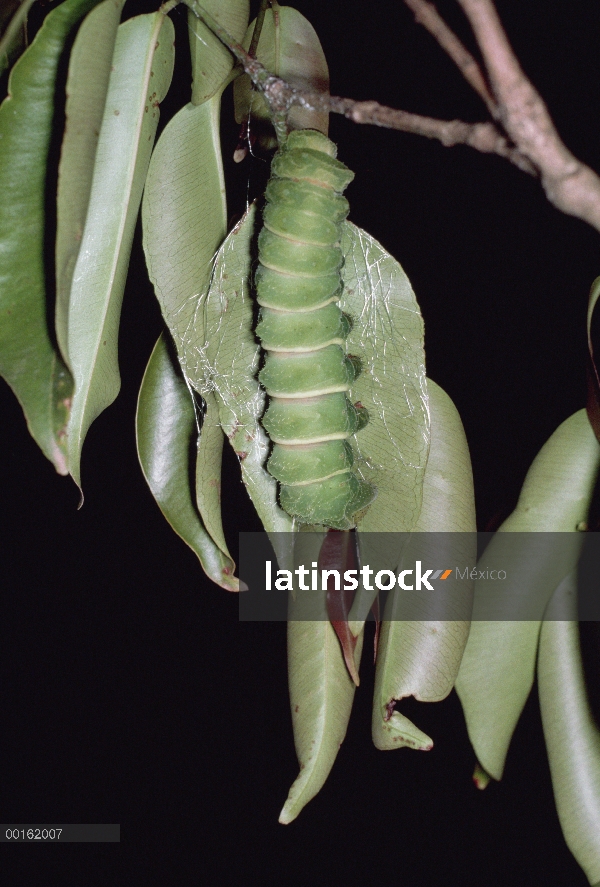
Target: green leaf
x: 321, y: 690
x: 448, y: 503
x: 184, y: 218
x: 422, y: 658
x: 226, y: 355
x: 321, y: 696
x: 556, y: 494
x: 13, y: 30
x: 166, y: 429
x: 220, y: 353
x: 288, y: 47
x: 494, y: 681
x: 593, y: 379
x: 28, y: 359
x: 142, y: 70
x: 208, y: 472
x: 498, y: 666
x: 572, y: 737
x: 87, y: 85
x: 211, y: 61
x: 387, y: 335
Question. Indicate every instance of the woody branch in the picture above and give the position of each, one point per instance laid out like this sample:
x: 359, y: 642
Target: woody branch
x: 521, y: 131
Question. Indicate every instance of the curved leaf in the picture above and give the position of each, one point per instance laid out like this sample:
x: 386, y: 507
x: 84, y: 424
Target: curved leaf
x: 208, y: 472
x: 142, y: 69
x: 184, y: 218
x: 165, y: 429
x: 290, y: 48
x: 493, y: 684
x: 321, y: 690
x: 13, y: 30
x: 387, y: 334
x: 556, y: 493
x: 593, y: 399
x: 28, y: 359
x: 221, y: 354
x: 321, y: 696
x: 572, y: 737
x: 227, y: 356
x: 498, y: 666
x: 87, y: 85
x: 422, y: 658
x: 211, y: 61
x: 448, y: 504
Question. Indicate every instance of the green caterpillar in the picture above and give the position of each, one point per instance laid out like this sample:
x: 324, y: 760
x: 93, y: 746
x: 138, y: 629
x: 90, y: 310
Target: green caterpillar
x: 307, y: 373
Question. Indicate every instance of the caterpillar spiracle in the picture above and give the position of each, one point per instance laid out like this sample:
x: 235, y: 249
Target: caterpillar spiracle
x: 307, y: 373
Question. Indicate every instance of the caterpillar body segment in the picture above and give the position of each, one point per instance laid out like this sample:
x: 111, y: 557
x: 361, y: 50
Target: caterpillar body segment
x: 307, y: 373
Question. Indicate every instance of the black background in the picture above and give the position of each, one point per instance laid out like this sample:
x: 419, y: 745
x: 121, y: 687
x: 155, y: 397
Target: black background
x: 130, y: 693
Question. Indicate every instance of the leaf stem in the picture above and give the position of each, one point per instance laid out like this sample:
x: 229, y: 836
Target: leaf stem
x: 258, y: 28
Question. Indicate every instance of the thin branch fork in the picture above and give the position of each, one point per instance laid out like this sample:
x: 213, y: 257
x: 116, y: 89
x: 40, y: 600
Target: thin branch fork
x: 570, y: 185
x: 427, y: 15
x: 522, y: 133
x: 280, y: 96
x: 484, y: 137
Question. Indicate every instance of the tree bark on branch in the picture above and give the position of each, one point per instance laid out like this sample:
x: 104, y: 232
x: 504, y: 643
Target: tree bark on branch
x: 522, y: 130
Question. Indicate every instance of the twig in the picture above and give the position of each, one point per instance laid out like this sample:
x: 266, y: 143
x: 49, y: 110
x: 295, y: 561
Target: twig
x: 570, y: 185
x: 529, y: 141
x: 484, y: 137
x: 258, y: 28
x: 281, y: 97
x: 427, y: 15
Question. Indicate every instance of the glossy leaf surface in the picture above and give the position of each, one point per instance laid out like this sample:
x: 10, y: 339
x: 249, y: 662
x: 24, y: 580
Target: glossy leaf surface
x: 87, y: 84
x: 321, y: 696
x: 571, y: 733
x: 28, y: 360
x: 166, y: 427
x: 142, y: 69
x: 184, y: 218
x: 321, y: 690
x: 208, y: 472
x: 288, y: 47
x: 498, y: 667
x: 422, y: 658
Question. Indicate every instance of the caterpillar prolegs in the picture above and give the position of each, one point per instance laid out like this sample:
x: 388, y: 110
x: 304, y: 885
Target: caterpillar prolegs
x: 307, y: 373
